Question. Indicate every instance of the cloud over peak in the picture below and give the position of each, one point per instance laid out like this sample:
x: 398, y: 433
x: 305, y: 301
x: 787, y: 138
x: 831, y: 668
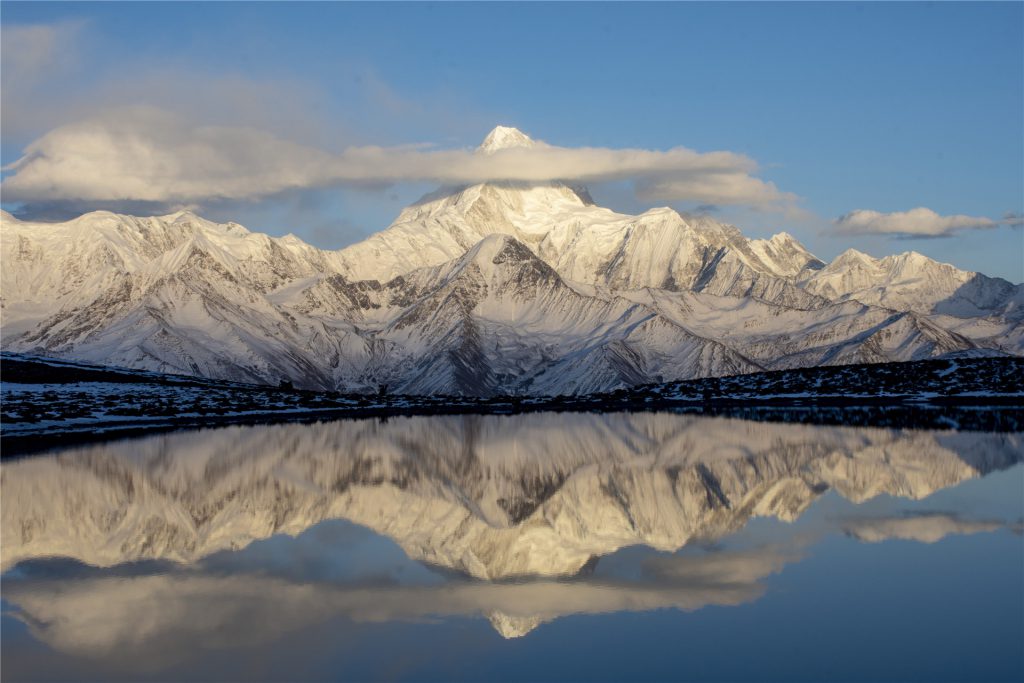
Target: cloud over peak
x: 149, y: 154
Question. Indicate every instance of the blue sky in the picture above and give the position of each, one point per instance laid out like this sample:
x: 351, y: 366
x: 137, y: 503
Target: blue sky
x: 876, y: 107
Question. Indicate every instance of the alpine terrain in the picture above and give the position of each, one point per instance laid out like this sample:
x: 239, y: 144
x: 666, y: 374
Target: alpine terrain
x: 496, y: 288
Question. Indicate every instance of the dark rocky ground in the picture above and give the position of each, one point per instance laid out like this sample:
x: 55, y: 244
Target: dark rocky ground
x: 47, y: 403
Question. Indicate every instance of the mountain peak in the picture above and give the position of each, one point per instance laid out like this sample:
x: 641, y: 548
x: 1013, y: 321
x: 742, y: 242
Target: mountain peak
x: 182, y: 214
x: 505, y: 263
x: 498, y: 248
x: 505, y: 137
x: 852, y: 257
x: 911, y: 257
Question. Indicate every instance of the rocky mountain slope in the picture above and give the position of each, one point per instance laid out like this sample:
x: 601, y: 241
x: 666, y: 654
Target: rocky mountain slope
x: 494, y: 288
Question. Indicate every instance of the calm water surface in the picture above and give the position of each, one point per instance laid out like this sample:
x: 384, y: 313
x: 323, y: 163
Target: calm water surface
x: 539, y: 547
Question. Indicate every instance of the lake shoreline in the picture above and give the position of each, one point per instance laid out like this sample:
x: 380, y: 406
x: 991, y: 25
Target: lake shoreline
x: 50, y: 403
x: 991, y: 416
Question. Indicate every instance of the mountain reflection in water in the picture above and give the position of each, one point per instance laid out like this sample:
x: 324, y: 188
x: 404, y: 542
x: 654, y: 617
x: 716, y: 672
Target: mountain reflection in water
x: 146, y: 550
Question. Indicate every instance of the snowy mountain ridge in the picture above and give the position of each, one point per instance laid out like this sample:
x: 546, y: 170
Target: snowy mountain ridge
x: 493, y: 288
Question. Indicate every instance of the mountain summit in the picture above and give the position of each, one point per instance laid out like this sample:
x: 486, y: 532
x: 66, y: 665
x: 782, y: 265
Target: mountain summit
x: 489, y: 289
x: 504, y: 137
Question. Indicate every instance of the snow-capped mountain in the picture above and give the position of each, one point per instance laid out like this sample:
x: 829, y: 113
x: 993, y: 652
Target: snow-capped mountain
x: 588, y: 244
x: 166, y: 292
x: 505, y: 137
x: 493, y: 288
x: 913, y: 282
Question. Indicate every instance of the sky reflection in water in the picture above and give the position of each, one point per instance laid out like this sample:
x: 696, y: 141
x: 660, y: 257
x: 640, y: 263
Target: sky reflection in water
x: 639, y: 546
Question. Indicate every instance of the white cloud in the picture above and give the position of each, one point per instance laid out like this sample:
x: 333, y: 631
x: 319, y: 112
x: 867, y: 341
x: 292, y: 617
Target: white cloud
x: 919, y: 222
x: 145, y: 154
x: 148, y: 154
x: 727, y: 186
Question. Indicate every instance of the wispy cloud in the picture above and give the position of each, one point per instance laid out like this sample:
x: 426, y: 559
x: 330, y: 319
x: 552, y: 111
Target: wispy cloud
x: 62, y: 73
x: 33, y: 51
x: 32, y: 56
x: 919, y: 222
x: 1014, y: 219
x: 148, y: 154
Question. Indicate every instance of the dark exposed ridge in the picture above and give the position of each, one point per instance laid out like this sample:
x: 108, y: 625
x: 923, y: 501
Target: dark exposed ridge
x: 983, y: 394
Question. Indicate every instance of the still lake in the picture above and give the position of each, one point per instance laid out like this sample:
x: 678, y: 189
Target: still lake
x: 624, y: 546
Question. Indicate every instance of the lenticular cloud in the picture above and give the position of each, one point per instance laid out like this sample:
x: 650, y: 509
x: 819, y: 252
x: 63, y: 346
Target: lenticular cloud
x: 150, y: 155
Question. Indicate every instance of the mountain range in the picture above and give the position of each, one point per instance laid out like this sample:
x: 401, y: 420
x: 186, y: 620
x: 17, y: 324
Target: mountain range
x: 496, y: 288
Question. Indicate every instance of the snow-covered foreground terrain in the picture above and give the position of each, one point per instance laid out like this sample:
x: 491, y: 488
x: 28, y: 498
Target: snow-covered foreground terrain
x: 483, y: 290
